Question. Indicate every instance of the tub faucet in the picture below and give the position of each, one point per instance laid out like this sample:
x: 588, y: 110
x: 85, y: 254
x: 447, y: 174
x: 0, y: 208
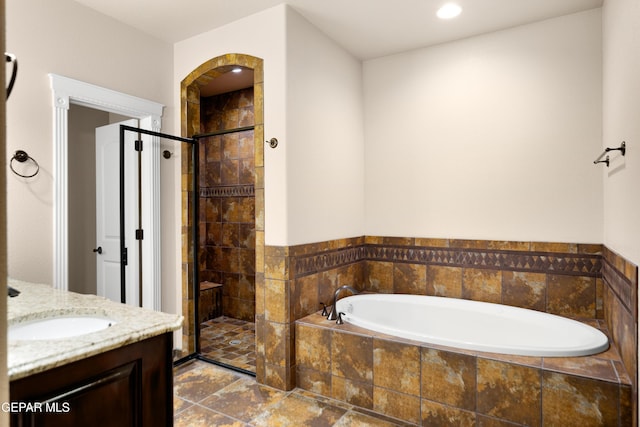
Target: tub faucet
x: 333, y: 315
x: 325, y: 313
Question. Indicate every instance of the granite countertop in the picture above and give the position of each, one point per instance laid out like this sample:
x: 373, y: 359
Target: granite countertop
x: 38, y: 301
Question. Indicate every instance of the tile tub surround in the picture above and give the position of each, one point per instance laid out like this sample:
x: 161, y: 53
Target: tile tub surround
x: 620, y: 279
x: 559, y: 278
x: 37, y: 301
x: 436, y: 385
x: 573, y: 280
x: 287, y: 295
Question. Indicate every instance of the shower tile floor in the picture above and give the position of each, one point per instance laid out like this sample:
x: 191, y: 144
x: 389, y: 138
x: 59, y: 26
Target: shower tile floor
x: 229, y: 341
x: 208, y: 395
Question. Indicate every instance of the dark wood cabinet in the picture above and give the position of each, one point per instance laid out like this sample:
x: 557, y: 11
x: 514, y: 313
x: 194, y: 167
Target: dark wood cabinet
x: 127, y: 386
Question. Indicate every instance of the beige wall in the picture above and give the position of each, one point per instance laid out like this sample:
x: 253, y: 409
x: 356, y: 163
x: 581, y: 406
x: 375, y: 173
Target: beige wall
x: 621, y: 122
x: 262, y: 35
x: 621, y: 112
x: 68, y: 39
x: 503, y: 125
x: 313, y: 105
x: 490, y: 137
x: 325, y: 139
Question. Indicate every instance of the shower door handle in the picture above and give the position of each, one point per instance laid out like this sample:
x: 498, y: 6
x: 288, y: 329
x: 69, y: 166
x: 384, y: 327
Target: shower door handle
x: 98, y: 250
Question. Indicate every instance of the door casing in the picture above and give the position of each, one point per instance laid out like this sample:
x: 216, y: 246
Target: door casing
x: 68, y: 91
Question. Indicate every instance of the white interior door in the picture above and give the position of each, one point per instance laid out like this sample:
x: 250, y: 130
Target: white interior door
x: 108, y: 213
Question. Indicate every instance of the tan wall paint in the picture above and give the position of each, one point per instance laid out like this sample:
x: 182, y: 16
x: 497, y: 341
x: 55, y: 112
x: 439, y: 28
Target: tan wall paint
x: 490, y: 137
x: 621, y: 109
x: 71, y: 40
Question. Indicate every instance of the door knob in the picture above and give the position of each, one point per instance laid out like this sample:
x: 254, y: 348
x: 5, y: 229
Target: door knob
x: 98, y: 250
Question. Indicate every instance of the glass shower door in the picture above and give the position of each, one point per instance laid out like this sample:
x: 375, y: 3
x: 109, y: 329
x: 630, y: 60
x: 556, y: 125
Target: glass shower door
x: 160, y: 226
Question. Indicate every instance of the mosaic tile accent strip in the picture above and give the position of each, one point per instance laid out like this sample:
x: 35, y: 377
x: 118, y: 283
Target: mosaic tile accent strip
x: 228, y: 191
x: 324, y: 261
x: 541, y: 262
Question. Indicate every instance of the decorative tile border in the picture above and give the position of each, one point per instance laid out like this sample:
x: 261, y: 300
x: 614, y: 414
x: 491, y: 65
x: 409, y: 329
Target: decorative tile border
x: 228, y: 191
x: 536, y: 262
x: 315, y: 263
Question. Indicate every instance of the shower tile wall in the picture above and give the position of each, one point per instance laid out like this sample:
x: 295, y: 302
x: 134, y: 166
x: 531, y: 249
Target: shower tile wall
x: 190, y: 111
x: 227, y: 201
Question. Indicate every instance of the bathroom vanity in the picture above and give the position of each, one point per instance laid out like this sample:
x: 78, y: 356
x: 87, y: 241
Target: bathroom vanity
x: 117, y: 375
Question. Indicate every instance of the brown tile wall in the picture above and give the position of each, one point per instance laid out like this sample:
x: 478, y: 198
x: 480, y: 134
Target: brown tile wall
x: 560, y: 278
x: 227, y: 201
x: 621, y: 311
x: 435, y: 385
x: 289, y: 295
x: 188, y: 258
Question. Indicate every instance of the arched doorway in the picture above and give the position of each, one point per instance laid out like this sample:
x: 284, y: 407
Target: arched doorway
x: 223, y: 197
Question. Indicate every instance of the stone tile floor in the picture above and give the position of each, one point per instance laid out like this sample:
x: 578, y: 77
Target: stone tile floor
x: 229, y: 341
x: 208, y: 395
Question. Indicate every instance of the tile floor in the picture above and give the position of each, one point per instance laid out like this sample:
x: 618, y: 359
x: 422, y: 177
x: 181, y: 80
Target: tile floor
x: 207, y: 395
x: 229, y: 341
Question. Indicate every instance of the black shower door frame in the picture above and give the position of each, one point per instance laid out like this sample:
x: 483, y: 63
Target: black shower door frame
x: 194, y: 220
x: 138, y: 147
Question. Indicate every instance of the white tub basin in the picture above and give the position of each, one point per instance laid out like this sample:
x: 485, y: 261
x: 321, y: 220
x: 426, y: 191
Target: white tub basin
x: 473, y: 325
x: 53, y: 328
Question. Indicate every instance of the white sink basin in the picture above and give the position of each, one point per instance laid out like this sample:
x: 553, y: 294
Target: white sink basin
x: 54, y: 328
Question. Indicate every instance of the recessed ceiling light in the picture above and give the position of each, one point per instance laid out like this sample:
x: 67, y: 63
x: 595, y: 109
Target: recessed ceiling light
x: 448, y: 11
x: 237, y: 70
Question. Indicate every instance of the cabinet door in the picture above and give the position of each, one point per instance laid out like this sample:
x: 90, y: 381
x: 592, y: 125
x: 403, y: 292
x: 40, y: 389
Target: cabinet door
x: 110, y: 399
x: 128, y: 386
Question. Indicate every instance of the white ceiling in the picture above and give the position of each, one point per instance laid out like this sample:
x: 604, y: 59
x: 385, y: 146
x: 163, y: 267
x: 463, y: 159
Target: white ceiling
x: 366, y: 28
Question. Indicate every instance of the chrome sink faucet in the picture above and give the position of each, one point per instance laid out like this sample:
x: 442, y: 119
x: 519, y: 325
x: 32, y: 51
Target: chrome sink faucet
x: 333, y: 315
